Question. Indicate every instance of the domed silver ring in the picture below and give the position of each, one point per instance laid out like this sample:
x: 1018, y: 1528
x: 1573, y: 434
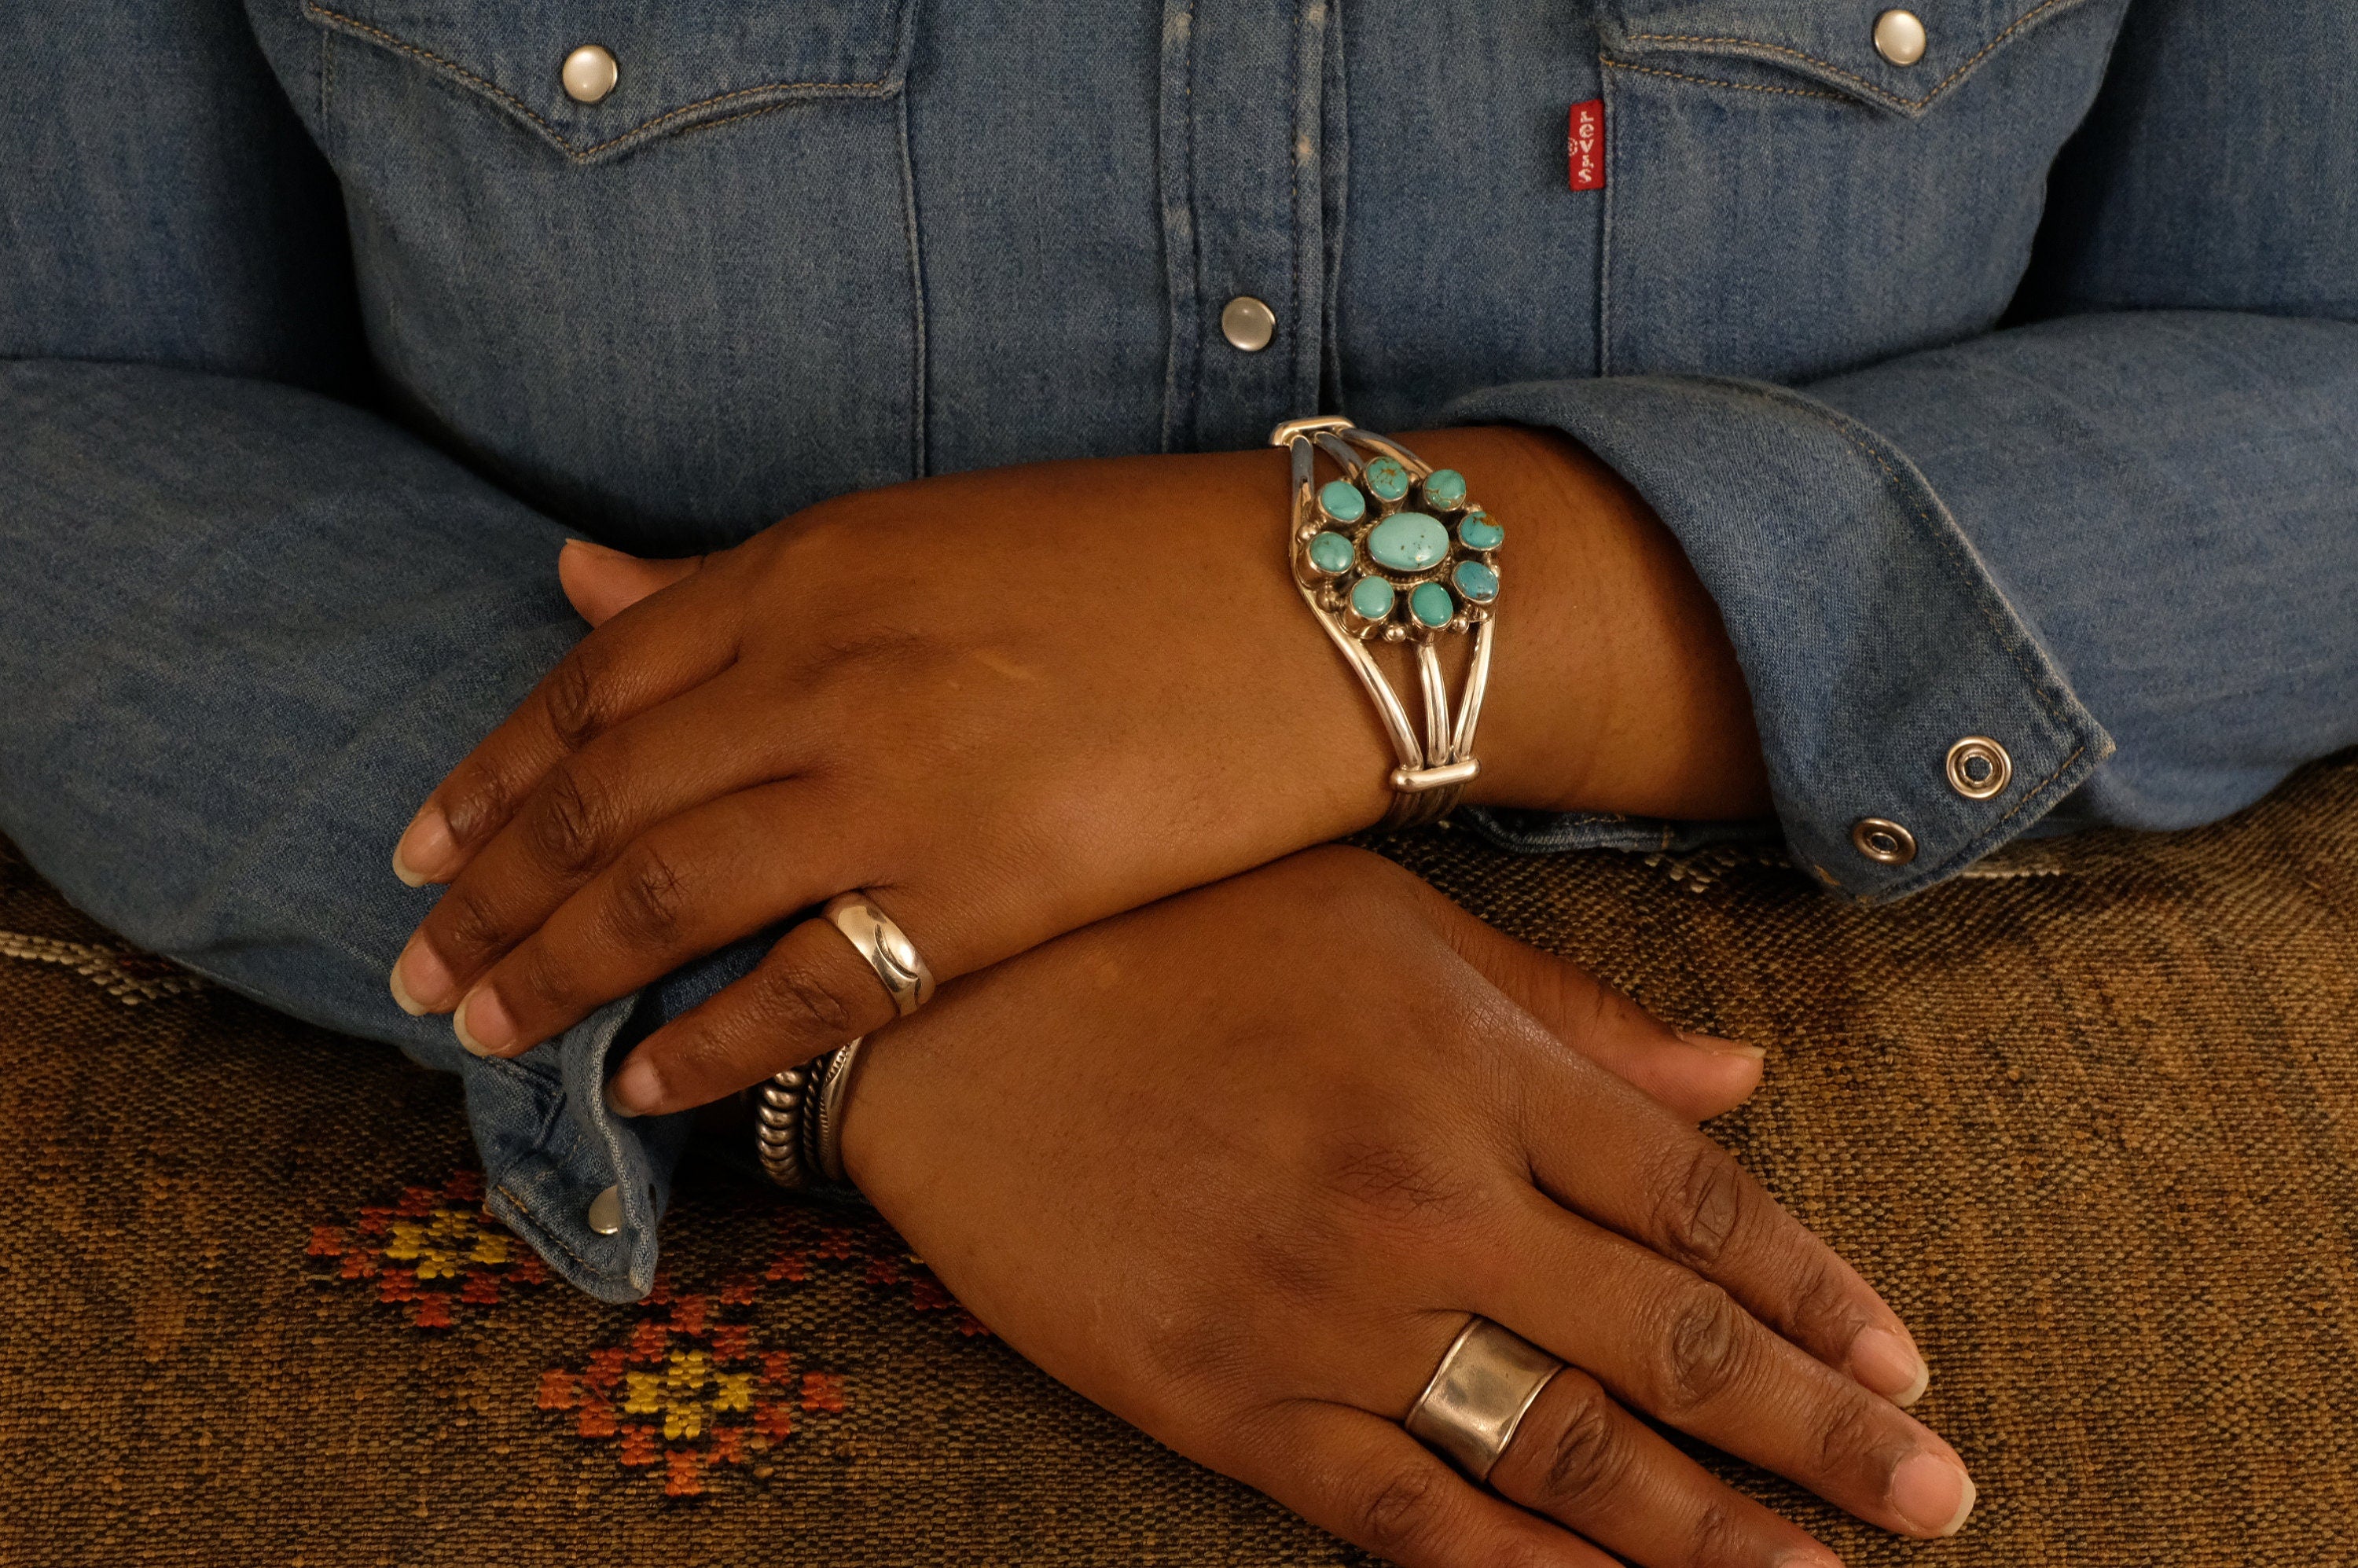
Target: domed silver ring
x: 886, y: 948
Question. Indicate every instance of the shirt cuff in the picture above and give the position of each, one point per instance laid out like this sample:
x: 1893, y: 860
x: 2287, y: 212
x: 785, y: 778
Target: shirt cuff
x: 1872, y: 635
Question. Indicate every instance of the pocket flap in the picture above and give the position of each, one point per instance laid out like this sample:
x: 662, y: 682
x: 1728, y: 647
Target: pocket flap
x: 1832, y: 44
x: 675, y: 66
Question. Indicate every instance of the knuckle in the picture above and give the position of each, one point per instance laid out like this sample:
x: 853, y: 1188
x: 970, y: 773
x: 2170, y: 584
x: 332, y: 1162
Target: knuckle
x: 1851, y: 1436
x: 1719, y: 1537
x: 1705, y: 1347
x: 574, y: 699
x: 1701, y: 1206
x: 1587, y: 1458
x: 1402, y: 1508
x: 797, y: 1004
x: 650, y: 896
x: 1395, y: 1185
x: 568, y: 820
x: 1821, y: 1309
x: 469, y: 928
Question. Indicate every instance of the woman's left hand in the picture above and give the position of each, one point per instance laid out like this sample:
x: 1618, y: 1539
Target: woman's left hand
x: 1000, y: 702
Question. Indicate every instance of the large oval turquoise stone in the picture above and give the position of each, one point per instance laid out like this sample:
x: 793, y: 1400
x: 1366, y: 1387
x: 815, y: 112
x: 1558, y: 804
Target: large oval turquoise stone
x: 1332, y: 552
x: 1408, y: 542
x: 1372, y: 597
x: 1445, y: 489
x: 1387, y: 479
x: 1478, y: 532
x: 1477, y: 581
x: 1430, y: 604
x: 1341, y: 499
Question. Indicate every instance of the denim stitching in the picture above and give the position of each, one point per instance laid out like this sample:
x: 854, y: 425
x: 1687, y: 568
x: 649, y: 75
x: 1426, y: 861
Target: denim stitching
x: 1714, y: 82
x: 1885, y: 93
x: 581, y: 154
x: 557, y: 1240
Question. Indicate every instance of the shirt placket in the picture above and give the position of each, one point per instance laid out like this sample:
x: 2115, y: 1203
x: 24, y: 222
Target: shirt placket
x: 1240, y: 148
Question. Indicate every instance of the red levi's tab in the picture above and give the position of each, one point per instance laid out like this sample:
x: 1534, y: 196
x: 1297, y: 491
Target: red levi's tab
x: 1585, y: 143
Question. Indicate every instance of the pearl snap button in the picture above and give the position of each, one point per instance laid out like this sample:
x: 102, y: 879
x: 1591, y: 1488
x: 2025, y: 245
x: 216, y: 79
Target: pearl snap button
x: 1883, y: 841
x: 1248, y: 324
x: 606, y: 1212
x: 1979, y: 767
x: 589, y: 74
x: 1900, y: 37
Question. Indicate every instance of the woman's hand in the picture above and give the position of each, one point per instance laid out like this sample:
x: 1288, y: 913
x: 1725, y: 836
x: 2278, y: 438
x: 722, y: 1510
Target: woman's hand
x: 1007, y: 703
x: 1237, y: 1167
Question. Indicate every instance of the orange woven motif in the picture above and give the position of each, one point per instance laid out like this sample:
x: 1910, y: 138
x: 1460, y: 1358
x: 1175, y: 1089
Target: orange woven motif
x: 435, y: 1252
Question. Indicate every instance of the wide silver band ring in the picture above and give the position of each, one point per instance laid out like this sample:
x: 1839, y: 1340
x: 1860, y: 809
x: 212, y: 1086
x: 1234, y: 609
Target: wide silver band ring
x: 1487, y: 1380
x: 886, y: 948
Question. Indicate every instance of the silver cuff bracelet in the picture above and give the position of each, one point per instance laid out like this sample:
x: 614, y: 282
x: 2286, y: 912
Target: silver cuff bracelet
x: 1396, y: 549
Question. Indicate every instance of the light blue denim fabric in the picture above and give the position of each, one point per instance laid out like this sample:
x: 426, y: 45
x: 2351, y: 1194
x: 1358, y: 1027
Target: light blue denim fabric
x: 2011, y: 393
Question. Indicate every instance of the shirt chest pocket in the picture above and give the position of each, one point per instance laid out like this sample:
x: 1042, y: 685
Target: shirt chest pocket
x: 1798, y: 186
x: 655, y: 265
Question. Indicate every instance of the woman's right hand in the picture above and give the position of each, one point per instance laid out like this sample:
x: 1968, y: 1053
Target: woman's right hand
x: 1240, y: 1165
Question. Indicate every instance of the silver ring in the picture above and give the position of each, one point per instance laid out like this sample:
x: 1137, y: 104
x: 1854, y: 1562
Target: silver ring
x: 886, y: 948
x: 1487, y: 1380
x: 833, y: 1094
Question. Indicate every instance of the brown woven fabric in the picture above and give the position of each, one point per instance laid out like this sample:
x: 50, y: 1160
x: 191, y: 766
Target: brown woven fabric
x: 2090, y: 1125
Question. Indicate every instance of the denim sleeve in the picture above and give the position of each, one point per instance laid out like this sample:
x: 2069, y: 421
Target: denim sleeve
x: 247, y: 626
x: 2121, y: 539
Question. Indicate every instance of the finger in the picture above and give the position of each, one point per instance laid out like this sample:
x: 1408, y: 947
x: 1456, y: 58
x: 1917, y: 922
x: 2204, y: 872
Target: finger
x: 813, y: 992
x: 1583, y: 1460
x: 1679, y: 1349
x: 589, y: 809
x: 1365, y: 1479
x: 601, y: 583
x: 1637, y: 1171
x: 1698, y: 1075
x: 691, y: 885
x: 648, y: 654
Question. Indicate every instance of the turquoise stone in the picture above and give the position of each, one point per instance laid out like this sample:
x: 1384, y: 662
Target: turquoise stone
x: 1332, y: 552
x: 1445, y: 489
x: 1341, y: 499
x: 1387, y: 480
x: 1477, y: 581
x: 1372, y: 597
x: 1430, y: 604
x: 1408, y: 542
x: 1478, y: 532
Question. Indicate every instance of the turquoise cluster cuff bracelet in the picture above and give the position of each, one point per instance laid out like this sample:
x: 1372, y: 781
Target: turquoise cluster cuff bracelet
x: 1395, y: 550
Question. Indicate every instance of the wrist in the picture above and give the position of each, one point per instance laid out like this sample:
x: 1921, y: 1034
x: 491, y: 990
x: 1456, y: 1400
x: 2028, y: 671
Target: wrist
x: 1613, y: 685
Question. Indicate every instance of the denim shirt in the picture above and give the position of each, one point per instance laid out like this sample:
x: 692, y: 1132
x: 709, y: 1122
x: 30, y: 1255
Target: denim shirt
x: 2008, y: 392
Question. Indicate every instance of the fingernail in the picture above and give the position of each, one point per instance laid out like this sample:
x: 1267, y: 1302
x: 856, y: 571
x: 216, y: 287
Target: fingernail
x: 636, y: 1089
x: 426, y: 850
x: 421, y: 982
x: 1807, y: 1557
x: 1886, y: 1363
x: 483, y: 1024
x: 1934, y: 1494
x: 1717, y: 1047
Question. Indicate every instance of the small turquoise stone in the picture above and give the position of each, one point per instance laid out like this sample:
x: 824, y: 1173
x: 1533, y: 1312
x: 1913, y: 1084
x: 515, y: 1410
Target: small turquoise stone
x: 1445, y: 489
x: 1477, y: 581
x: 1408, y: 542
x: 1387, y: 480
x: 1341, y: 499
x: 1372, y: 597
x: 1478, y: 532
x: 1430, y: 604
x: 1332, y: 552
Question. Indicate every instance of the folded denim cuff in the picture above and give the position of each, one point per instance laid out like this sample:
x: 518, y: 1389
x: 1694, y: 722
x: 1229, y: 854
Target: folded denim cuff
x: 1871, y: 634
x: 550, y: 1148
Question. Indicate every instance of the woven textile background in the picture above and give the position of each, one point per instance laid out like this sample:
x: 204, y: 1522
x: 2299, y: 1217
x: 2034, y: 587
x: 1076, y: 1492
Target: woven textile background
x: 2089, y: 1123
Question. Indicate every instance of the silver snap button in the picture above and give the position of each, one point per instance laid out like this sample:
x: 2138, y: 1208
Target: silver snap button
x: 1900, y: 37
x: 606, y: 1212
x: 1248, y: 324
x: 1883, y: 841
x: 1979, y: 767
x: 589, y: 74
